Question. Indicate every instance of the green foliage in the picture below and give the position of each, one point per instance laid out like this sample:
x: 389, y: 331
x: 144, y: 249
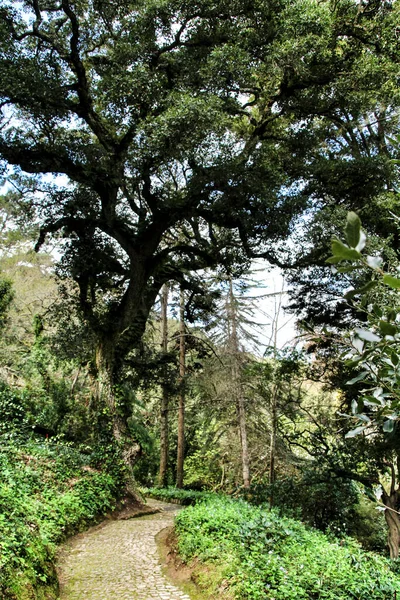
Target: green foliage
x: 373, y: 348
x: 47, y: 491
x: 6, y: 296
x: 268, y: 556
x: 171, y: 120
x: 316, y: 497
x: 12, y: 411
x: 184, y: 497
x: 368, y: 525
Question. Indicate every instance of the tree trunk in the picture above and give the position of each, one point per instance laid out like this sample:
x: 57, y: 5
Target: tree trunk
x: 238, y: 391
x: 162, y: 477
x: 274, y: 424
x: 243, y: 440
x: 105, y: 393
x: 181, y: 411
x: 393, y: 522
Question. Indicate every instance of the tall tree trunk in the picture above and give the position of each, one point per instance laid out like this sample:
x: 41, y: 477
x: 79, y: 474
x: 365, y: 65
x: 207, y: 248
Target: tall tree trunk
x: 274, y: 425
x: 105, y: 392
x: 162, y: 478
x: 274, y: 396
x: 238, y: 390
x: 181, y: 411
x: 392, y: 518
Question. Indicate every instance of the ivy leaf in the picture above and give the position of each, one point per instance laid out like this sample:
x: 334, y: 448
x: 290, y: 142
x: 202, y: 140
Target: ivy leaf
x: 352, y: 229
x: 391, y: 281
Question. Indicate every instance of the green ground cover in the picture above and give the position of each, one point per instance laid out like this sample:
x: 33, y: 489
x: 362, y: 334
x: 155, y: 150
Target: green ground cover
x: 184, y: 497
x: 47, y: 491
x: 260, y: 554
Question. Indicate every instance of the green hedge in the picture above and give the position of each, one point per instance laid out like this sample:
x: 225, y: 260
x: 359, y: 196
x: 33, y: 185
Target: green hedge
x: 265, y: 556
x: 47, y: 491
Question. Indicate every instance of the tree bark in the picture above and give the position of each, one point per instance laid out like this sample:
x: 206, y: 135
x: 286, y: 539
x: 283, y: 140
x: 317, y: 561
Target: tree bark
x: 164, y: 427
x: 181, y: 411
x: 105, y: 393
x: 392, y: 521
x: 274, y: 424
x: 238, y: 390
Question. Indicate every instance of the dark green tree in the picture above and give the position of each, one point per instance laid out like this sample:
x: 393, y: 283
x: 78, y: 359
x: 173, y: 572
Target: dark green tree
x: 182, y: 130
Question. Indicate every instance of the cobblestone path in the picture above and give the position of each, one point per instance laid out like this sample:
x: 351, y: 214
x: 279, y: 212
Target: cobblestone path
x: 118, y: 561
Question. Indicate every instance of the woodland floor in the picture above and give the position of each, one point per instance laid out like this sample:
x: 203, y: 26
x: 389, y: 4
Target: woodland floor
x: 119, y: 559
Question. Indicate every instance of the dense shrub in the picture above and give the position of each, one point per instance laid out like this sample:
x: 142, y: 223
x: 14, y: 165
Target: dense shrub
x: 12, y: 411
x: 278, y: 558
x: 322, y: 501
x: 184, y: 497
x: 327, y: 503
x: 47, y: 490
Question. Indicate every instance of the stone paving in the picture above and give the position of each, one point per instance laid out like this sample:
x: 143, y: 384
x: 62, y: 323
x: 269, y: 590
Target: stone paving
x: 118, y: 561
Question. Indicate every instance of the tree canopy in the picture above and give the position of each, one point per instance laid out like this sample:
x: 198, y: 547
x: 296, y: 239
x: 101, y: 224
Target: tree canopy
x: 181, y: 128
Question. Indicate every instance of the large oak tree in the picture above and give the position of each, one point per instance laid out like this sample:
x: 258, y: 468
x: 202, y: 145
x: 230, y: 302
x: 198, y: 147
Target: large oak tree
x: 181, y: 130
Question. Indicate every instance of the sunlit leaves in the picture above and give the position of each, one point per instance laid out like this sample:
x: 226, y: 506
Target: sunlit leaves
x: 343, y: 252
x: 375, y: 346
x: 393, y: 282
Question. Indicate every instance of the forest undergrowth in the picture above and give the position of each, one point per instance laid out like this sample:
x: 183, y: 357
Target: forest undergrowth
x: 49, y: 489
x: 257, y: 554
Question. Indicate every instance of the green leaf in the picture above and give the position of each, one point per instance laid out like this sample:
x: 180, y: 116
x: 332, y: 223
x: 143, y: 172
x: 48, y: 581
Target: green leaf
x: 391, y: 281
x: 394, y: 357
x: 348, y: 269
x: 354, y: 432
x: 359, y: 377
x: 369, y: 493
x: 368, y: 400
x: 362, y: 290
x: 352, y: 229
x: 387, y: 328
x: 363, y: 240
x: 344, y: 252
x: 334, y: 260
x: 353, y: 362
x: 367, y: 335
x: 364, y: 418
x: 388, y: 426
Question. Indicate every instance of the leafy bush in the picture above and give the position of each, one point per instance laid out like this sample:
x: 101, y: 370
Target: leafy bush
x: 47, y: 491
x: 277, y: 558
x: 315, y: 497
x: 184, y: 497
x: 12, y: 411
